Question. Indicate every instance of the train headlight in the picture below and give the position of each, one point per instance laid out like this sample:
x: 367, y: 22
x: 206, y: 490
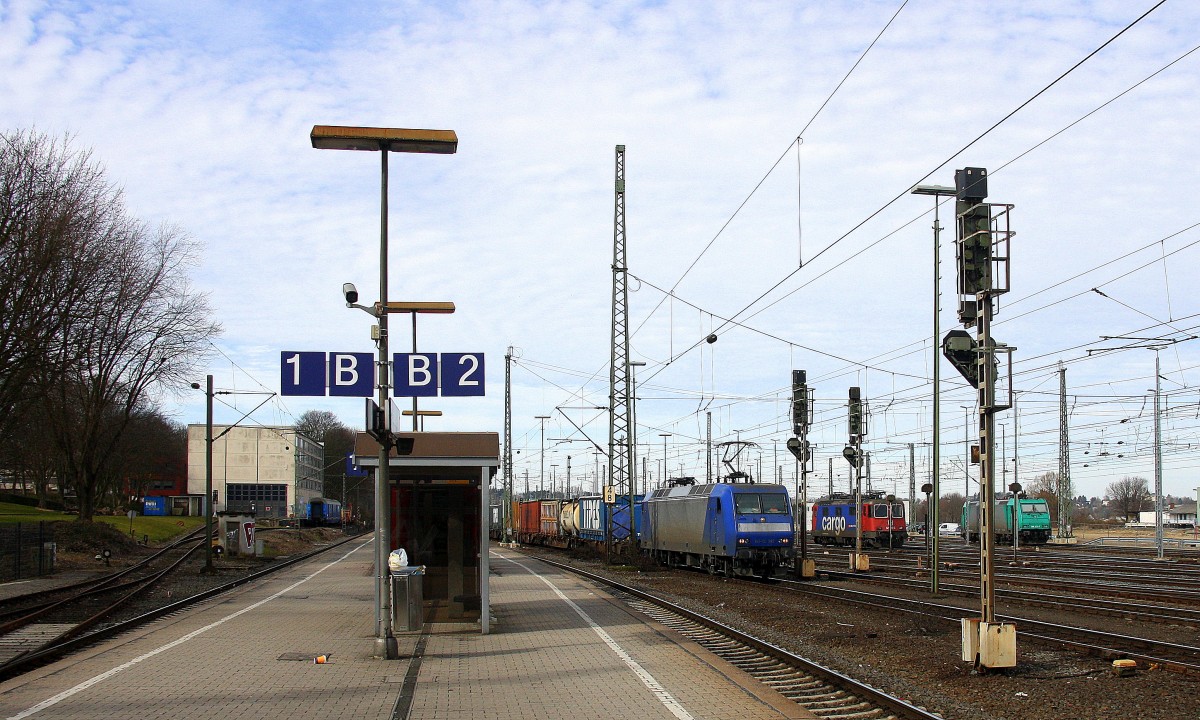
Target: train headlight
x: 741, y: 541
x: 785, y: 541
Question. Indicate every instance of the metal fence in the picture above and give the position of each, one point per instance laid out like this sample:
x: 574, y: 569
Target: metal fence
x: 26, y: 550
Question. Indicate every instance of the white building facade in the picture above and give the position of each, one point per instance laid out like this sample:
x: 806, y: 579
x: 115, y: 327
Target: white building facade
x: 271, y: 471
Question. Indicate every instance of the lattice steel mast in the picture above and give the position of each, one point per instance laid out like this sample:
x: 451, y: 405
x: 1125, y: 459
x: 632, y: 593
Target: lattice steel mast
x: 619, y: 429
x: 1065, y: 502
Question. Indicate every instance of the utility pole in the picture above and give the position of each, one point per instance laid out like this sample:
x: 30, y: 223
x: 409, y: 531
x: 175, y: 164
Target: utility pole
x: 619, y: 427
x: 506, y: 508
x: 708, y: 447
x: 542, y: 457
x: 912, y: 475
x: 1156, y: 344
x: 1158, y: 499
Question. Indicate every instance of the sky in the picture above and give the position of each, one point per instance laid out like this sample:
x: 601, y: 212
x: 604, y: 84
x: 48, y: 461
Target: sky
x: 770, y: 152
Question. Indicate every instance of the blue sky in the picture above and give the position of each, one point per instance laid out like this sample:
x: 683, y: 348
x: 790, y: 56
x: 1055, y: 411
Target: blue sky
x: 201, y: 111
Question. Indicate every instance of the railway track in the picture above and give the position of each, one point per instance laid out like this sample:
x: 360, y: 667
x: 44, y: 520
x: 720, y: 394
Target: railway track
x: 1166, y: 655
x: 1178, y: 585
x: 56, y: 622
x: 54, y: 628
x: 1139, y: 611
x: 820, y: 690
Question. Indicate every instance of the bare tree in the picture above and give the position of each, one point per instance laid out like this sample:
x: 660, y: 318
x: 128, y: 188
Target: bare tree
x: 950, y: 507
x: 97, y: 313
x: 58, y: 221
x: 153, y: 448
x: 1128, y: 495
x: 316, y: 423
x: 1045, y: 487
x: 325, y: 427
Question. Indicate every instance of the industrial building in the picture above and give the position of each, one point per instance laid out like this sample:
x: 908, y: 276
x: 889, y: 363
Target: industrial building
x: 270, y: 471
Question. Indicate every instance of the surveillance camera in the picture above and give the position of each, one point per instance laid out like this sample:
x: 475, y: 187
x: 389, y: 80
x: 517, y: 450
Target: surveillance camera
x: 350, y: 292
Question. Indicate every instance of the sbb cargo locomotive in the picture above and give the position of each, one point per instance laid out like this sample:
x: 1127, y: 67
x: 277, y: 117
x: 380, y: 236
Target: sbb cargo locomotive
x: 834, y: 521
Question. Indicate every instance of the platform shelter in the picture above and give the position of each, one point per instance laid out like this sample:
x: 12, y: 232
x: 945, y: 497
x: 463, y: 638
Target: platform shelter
x: 439, y: 511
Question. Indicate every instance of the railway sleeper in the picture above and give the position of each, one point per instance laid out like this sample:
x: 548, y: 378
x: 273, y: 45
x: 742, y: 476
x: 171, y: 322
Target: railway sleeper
x: 863, y: 710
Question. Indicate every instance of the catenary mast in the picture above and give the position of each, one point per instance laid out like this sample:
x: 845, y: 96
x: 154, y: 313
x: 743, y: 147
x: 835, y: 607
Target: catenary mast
x: 619, y: 429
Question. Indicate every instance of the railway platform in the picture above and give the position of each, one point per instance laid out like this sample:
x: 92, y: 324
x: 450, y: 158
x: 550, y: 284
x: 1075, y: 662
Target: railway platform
x: 558, y: 647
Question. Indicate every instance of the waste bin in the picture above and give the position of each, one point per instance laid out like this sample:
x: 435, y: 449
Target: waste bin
x: 408, y: 611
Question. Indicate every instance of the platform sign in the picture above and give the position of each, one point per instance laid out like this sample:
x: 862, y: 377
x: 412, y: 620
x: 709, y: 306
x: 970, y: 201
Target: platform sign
x: 415, y: 374
x: 302, y: 373
x: 351, y: 374
x: 438, y: 374
x: 462, y: 374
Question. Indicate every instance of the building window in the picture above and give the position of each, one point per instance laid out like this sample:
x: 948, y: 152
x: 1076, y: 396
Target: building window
x: 245, y: 493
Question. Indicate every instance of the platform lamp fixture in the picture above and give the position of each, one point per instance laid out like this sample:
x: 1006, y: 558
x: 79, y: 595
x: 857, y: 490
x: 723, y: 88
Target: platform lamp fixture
x: 422, y: 414
x: 384, y: 141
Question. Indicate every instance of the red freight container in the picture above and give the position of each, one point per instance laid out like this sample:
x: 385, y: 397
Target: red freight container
x: 529, y: 520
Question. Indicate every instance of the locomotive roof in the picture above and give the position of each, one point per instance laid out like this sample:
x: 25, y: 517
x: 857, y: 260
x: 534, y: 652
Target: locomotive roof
x: 709, y: 489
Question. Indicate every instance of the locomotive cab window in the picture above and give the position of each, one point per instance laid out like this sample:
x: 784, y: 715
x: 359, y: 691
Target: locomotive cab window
x: 1039, y: 507
x: 775, y: 503
x: 879, y: 511
x: 756, y: 503
x: 897, y: 510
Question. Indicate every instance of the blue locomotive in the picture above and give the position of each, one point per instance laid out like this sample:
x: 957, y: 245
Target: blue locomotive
x: 728, y: 528
x: 322, y: 511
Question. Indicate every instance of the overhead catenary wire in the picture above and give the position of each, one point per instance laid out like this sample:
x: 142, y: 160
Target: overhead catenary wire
x: 927, y: 175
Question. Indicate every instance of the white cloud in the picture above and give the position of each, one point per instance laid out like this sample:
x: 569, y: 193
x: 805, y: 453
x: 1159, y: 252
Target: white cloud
x: 202, y: 113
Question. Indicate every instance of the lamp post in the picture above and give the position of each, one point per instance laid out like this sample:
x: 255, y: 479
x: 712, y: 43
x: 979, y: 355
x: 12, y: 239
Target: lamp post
x: 937, y: 192
x: 383, y: 141
x: 208, y: 467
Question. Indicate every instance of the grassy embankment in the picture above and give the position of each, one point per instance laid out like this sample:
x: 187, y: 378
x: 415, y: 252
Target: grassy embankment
x: 156, y: 529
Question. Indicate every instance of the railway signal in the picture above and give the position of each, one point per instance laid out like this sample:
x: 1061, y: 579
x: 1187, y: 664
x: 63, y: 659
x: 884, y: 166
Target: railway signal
x: 983, y: 274
x: 856, y: 421
x: 802, y: 417
x: 802, y: 406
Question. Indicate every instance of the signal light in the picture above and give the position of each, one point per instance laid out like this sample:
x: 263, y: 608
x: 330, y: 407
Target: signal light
x: 974, y: 248
x: 801, y: 403
x: 856, y: 418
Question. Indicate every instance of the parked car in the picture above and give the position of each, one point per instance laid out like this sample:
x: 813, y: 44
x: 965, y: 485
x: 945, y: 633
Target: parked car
x: 949, y: 530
